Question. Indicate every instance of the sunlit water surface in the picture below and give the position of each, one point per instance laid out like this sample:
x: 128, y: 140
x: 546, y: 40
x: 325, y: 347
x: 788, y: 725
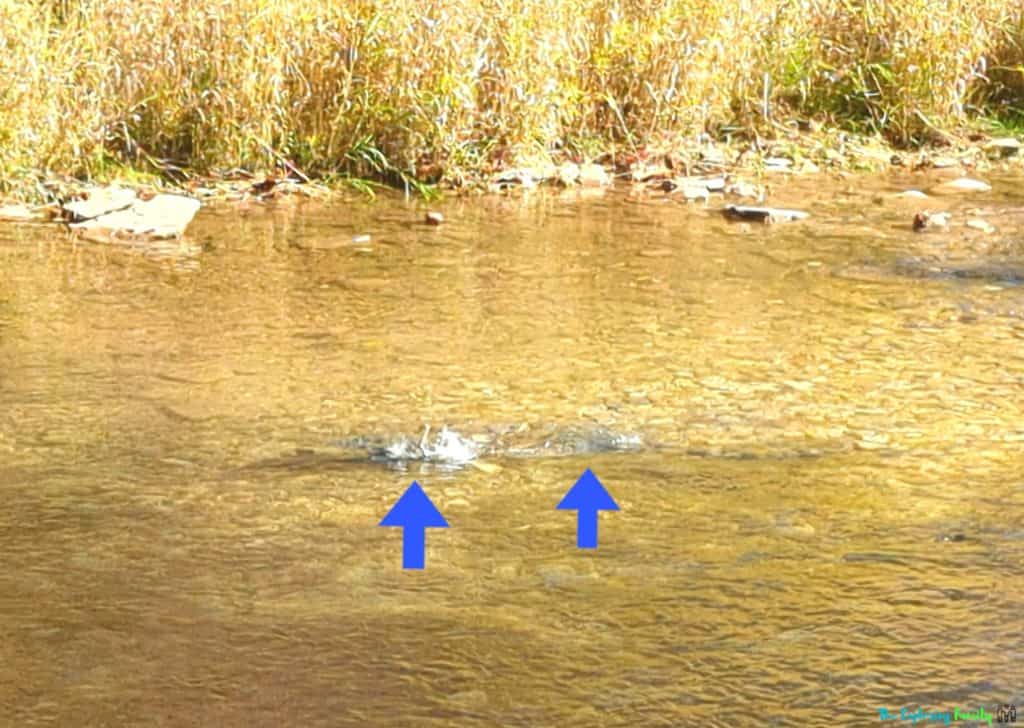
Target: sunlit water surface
x: 826, y: 518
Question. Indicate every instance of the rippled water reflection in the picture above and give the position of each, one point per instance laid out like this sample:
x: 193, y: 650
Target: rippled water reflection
x: 829, y: 518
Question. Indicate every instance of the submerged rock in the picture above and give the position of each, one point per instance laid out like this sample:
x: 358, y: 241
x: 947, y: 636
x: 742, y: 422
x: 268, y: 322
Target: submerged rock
x: 997, y: 273
x: 581, y: 441
x: 911, y: 195
x: 119, y: 213
x: 961, y: 185
x: 977, y: 223
x: 766, y: 215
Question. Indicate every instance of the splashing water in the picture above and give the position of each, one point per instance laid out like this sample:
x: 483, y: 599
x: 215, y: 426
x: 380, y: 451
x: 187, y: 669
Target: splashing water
x: 447, y: 447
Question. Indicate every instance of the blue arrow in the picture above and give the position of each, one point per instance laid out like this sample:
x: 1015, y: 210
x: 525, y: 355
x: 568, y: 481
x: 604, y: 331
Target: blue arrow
x: 587, y: 497
x: 414, y: 513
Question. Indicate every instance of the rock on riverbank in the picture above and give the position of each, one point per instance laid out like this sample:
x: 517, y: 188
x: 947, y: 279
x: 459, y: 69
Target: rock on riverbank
x: 118, y: 212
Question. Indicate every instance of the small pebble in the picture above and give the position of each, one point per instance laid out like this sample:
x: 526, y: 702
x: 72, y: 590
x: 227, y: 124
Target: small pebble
x: 434, y: 218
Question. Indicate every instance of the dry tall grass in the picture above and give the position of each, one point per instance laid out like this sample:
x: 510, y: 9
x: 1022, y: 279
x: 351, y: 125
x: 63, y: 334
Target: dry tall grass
x: 391, y: 87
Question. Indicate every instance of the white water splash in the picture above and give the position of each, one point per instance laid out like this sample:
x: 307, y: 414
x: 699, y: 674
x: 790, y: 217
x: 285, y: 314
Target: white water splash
x: 448, y: 447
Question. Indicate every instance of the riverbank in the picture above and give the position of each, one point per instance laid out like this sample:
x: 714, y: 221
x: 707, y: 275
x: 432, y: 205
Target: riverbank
x: 459, y: 92
x: 750, y: 172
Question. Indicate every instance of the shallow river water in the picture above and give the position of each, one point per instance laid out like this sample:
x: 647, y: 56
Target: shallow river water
x: 826, y: 517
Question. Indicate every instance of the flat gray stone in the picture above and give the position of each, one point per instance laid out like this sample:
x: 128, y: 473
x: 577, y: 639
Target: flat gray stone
x: 100, y: 201
x: 961, y: 185
x: 163, y: 216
